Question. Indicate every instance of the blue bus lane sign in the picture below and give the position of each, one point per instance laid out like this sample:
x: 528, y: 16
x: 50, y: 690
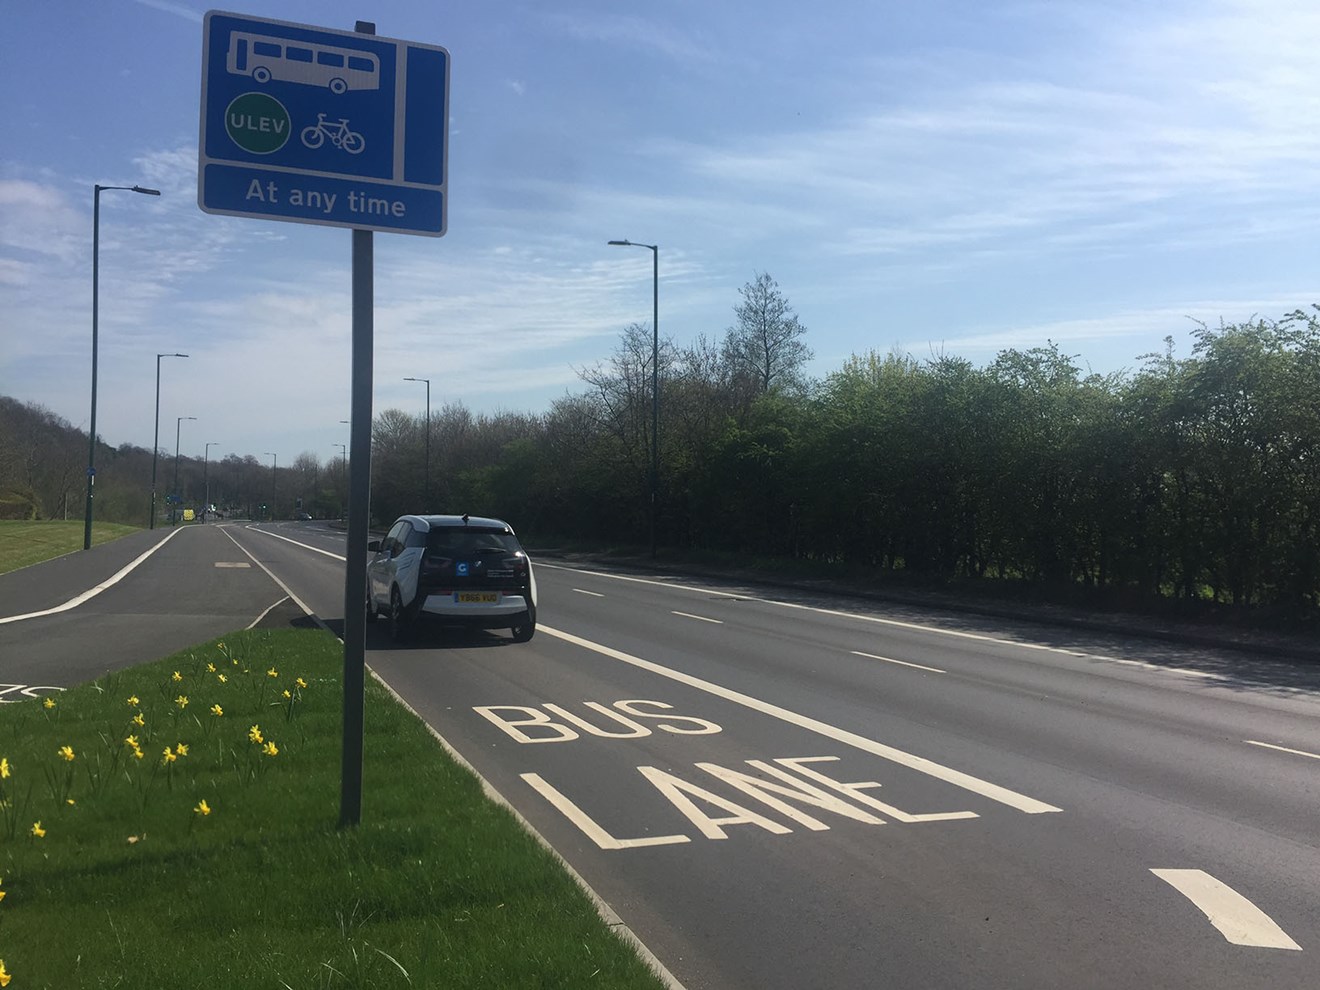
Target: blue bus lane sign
x: 313, y: 125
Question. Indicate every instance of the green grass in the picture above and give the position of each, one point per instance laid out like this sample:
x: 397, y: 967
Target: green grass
x: 23, y: 542
x: 132, y: 887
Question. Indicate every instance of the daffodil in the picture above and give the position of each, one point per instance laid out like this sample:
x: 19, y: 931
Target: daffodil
x: 137, y: 753
x: 67, y: 753
x: 131, y: 741
x: 254, y: 734
x: 4, y: 975
x: 286, y: 693
x: 181, y: 701
x: 181, y: 749
x: 202, y: 808
x: 49, y: 703
x: 217, y: 711
x: 210, y: 668
x: 272, y: 672
x: 169, y: 756
x: 138, y: 719
x: 38, y: 831
x: 301, y: 683
x: 176, y: 676
x: 270, y: 749
x: 133, y: 701
x: 5, y: 769
x: 222, y: 678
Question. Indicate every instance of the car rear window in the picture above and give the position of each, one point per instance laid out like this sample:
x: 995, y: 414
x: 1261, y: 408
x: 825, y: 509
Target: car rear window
x: 459, y: 541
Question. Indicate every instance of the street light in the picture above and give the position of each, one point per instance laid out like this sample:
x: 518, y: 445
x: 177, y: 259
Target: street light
x: 206, y: 476
x: 178, y: 426
x: 96, y: 278
x: 343, y: 468
x: 274, y: 463
x: 426, y: 492
x: 155, y: 447
x: 655, y: 371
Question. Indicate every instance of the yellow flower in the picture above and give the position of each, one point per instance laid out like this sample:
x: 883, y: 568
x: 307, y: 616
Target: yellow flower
x: 133, y: 701
x: 272, y: 672
x: 220, y: 646
x: 202, y: 808
x: 5, y: 770
x: 138, y: 719
x: 137, y: 753
x: 181, y: 749
x: 222, y: 678
x: 254, y: 734
x: 4, y: 975
x: 181, y: 701
x: 301, y: 683
x: 131, y: 741
x: 67, y: 753
x: 176, y: 676
x: 210, y: 668
x: 69, y: 801
x: 270, y: 749
x: 217, y: 711
x: 169, y: 756
x: 286, y: 693
x: 49, y: 703
x: 38, y: 831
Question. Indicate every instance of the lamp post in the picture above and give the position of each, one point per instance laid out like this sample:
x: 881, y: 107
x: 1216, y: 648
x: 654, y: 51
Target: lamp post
x: 343, y: 466
x: 655, y: 371
x: 96, y: 277
x: 426, y: 492
x: 274, y: 463
x: 178, y: 427
x: 155, y: 446
x: 206, y: 477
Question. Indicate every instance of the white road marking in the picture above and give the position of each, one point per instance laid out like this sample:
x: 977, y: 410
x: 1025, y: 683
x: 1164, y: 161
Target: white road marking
x: 1282, y: 749
x: 593, y: 594
x: 1238, y: 920
x: 980, y: 637
x: 109, y: 582
x: 267, y: 612
x: 699, y: 618
x: 905, y: 663
x: 305, y: 546
x: 966, y: 781
x: 232, y: 563
x: 287, y: 590
x: 588, y: 825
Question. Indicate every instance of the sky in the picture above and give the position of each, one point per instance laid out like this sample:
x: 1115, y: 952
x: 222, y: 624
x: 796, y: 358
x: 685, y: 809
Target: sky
x: 947, y: 177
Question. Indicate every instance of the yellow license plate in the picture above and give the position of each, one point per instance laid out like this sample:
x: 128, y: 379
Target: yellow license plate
x: 477, y: 597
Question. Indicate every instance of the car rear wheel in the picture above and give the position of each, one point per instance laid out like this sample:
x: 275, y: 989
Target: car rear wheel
x: 399, y: 627
x: 525, y: 628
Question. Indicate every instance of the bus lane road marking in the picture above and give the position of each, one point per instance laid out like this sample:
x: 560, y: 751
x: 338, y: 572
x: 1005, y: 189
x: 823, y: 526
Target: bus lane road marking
x: 995, y: 792
x: 775, y: 784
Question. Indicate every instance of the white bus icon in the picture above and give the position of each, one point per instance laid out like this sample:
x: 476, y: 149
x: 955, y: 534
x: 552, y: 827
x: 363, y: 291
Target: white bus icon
x: 265, y: 58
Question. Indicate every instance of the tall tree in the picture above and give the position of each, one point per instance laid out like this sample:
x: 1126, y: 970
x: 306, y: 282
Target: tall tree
x: 764, y: 346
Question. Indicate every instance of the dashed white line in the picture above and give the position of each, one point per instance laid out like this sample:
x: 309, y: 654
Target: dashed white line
x: 1238, y: 920
x: 700, y: 618
x: 904, y: 663
x: 1282, y: 749
x: 593, y: 594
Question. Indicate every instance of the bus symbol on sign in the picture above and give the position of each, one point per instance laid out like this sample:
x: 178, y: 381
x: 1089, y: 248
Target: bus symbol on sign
x: 265, y: 58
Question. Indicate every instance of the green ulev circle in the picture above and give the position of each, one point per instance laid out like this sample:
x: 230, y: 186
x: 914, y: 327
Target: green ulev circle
x: 258, y: 123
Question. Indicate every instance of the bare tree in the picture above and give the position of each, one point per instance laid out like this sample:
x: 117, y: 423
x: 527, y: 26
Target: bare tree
x: 764, y: 346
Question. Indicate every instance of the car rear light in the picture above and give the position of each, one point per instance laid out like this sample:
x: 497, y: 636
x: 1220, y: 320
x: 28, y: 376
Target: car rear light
x: 516, y: 564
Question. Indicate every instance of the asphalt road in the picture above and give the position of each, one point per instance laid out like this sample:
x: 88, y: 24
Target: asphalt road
x: 792, y: 790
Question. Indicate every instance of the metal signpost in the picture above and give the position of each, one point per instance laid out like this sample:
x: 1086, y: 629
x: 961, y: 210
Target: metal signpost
x: 344, y: 129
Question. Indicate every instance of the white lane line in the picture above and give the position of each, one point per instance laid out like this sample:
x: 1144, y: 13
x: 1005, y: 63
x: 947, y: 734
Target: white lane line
x: 1282, y: 749
x: 700, y: 618
x: 593, y: 594
x: 896, y: 623
x: 305, y: 546
x: 109, y: 582
x: 956, y: 777
x: 1237, y: 919
x: 905, y: 663
x: 287, y: 590
x: 232, y: 564
x: 267, y: 612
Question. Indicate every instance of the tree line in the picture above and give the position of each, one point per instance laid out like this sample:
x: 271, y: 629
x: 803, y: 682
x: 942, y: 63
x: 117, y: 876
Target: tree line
x: 1195, y: 478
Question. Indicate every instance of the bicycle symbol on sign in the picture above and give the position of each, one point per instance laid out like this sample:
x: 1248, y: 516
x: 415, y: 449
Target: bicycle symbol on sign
x: 340, y: 136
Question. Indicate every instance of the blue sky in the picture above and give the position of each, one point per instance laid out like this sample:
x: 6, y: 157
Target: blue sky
x: 955, y: 176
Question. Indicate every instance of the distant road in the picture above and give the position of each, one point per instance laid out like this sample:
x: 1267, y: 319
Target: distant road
x: 788, y: 790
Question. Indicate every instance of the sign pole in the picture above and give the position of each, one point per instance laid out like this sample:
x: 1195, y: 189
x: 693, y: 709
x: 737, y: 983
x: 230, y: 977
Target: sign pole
x: 359, y: 503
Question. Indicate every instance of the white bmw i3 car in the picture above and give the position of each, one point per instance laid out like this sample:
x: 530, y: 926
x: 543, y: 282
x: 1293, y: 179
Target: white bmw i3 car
x: 452, y: 570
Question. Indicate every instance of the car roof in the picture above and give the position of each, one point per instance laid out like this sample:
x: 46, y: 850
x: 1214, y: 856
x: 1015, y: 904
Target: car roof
x: 428, y: 522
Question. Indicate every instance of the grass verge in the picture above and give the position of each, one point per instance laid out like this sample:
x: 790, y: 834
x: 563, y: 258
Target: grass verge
x: 218, y: 863
x: 23, y: 542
